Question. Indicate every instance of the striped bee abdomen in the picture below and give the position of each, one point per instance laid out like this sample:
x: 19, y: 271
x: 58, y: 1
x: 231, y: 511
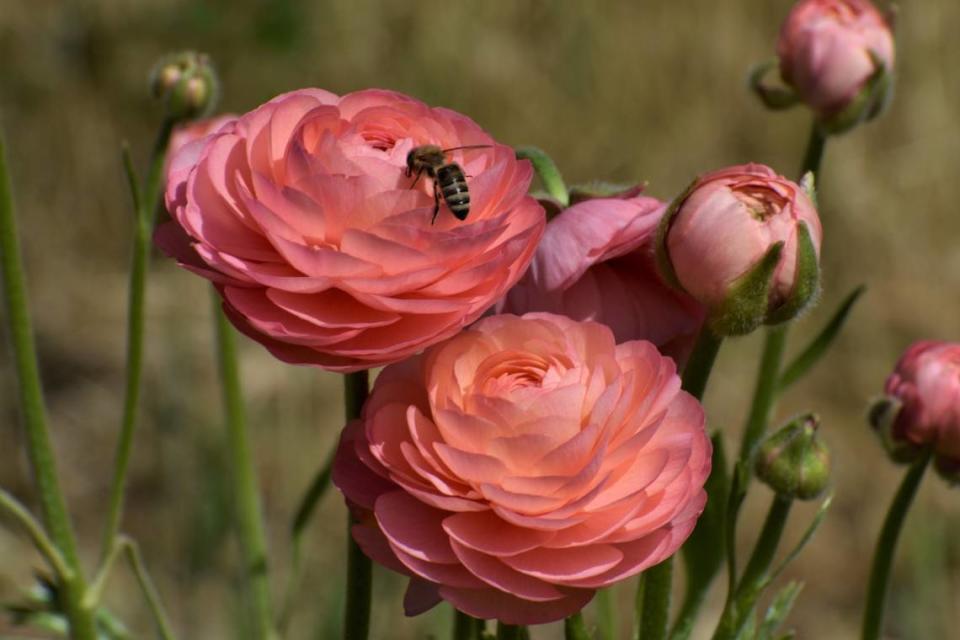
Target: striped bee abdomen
x: 453, y: 187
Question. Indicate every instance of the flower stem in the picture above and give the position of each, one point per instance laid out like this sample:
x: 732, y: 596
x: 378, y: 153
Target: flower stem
x: 742, y: 600
x: 886, y: 545
x: 466, y: 627
x: 574, y: 628
x: 657, y: 583
x: 16, y: 511
x: 509, y: 631
x: 765, y: 391
x: 248, y: 512
x: 144, y: 209
x: 356, y: 387
x: 39, y: 448
x: 813, y: 156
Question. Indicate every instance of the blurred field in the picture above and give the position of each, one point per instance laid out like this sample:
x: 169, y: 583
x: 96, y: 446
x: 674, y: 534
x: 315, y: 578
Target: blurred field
x: 613, y: 90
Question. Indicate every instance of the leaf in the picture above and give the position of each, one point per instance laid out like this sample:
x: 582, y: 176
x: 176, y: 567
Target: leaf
x: 802, y: 364
x: 778, y: 610
x: 807, y: 536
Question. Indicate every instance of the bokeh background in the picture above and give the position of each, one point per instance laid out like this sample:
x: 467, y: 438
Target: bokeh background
x: 622, y: 91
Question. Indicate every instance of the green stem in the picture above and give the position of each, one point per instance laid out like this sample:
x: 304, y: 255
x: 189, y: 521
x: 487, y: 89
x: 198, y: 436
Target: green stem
x: 148, y: 589
x: 39, y: 448
x: 38, y: 537
x: 886, y: 546
x: 765, y: 391
x: 692, y: 601
x: 253, y: 544
x: 574, y: 628
x: 136, y: 310
x: 466, y: 627
x: 741, y: 601
x: 359, y: 570
x: 813, y: 156
x: 549, y: 174
x: 657, y: 588
x: 509, y: 631
x: 606, y: 615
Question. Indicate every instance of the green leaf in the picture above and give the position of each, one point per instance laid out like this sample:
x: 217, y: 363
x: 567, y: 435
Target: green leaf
x: 807, y: 536
x: 778, y: 610
x: 802, y: 364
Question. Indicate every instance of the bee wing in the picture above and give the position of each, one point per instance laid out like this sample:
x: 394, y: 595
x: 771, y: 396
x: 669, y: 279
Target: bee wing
x: 469, y: 146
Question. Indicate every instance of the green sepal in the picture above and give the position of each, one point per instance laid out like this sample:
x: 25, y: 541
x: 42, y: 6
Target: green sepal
x: 809, y: 185
x: 547, y: 169
x: 807, y: 279
x: 866, y: 105
x: 601, y: 189
x: 664, y: 265
x: 882, y: 416
x: 746, y: 304
x: 773, y: 98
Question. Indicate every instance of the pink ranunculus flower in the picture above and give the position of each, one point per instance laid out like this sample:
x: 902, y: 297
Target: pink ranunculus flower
x: 828, y: 50
x: 194, y: 130
x: 596, y: 262
x: 302, y: 215
x: 924, y: 393
x: 523, y: 464
x: 718, y: 243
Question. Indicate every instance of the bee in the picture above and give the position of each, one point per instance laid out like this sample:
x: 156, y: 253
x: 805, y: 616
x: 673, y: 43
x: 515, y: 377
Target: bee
x: 449, y: 180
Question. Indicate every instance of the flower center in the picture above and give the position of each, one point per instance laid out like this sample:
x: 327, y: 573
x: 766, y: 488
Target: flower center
x: 379, y: 139
x: 762, y: 202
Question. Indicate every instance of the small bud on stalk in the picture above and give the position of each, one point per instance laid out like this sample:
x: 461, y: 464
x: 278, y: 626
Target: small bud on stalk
x: 921, y: 408
x: 744, y: 242
x: 794, y: 461
x: 187, y: 84
x: 838, y: 55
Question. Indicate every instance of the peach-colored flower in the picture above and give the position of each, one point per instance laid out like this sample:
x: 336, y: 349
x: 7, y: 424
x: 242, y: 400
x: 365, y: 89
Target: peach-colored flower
x: 829, y: 48
x: 925, y: 387
x: 523, y: 464
x: 302, y: 215
x: 596, y: 262
x: 721, y: 230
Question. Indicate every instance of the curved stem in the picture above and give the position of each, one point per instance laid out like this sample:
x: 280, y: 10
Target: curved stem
x: 39, y: 447
x: 144, y: 208
x: 697, y: 371
x: 359, y: 570
x: 34, y: 530
x: 741, y: 601
x: 886, y: 546
x: 148, y: 589
x: 253, y: 543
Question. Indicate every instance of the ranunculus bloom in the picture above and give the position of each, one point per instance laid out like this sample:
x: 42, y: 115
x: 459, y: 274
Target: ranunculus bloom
x: 523, y: 464
x: 596, y: 262
x: 926, y: 387
x: 301, y: 214
x: 722, y: 229
x: 827, y: 49
x: 194, y: 130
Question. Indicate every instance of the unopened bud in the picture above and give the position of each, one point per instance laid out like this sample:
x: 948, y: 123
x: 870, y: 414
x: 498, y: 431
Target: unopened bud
x: 187, y: 85
x: 920, y: 411
x: 794, y: 461
x: 745, y: 243
x: 838, y: 56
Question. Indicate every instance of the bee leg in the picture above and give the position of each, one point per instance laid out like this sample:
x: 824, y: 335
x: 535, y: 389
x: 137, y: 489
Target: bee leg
x: 436, y: 203
x: 415, y: 180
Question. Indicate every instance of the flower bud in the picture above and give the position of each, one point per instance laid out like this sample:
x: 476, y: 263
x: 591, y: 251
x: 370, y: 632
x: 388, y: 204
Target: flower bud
x: 838, y: 56
x: 186, y: 83
x: 745, y: 243
x: 794, y: 461
x: 921, y: 407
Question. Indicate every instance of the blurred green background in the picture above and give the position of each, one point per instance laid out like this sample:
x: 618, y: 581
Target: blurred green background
x: 625, y: 91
